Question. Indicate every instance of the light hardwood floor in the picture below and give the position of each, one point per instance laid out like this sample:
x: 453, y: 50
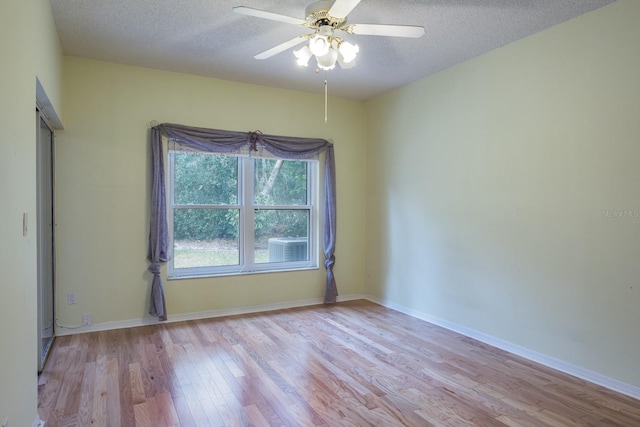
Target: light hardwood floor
x: 348, y: 364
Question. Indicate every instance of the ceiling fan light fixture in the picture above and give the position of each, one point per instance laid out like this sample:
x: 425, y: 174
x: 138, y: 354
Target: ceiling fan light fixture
x: 328, y: 61
x: 348, y: 51
x: 345, y: 65
x: 303, y: 55
x: 325, y: 17
x: 319, y: 45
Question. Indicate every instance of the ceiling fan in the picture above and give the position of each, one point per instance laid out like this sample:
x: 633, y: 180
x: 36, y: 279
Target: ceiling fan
x: 324, y: 18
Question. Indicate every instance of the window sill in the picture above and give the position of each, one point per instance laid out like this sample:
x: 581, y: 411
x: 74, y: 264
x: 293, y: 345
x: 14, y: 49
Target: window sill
x: 243, y: 273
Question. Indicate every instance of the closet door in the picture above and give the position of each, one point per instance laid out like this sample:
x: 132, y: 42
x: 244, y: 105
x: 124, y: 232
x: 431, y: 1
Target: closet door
x: 45, y: 228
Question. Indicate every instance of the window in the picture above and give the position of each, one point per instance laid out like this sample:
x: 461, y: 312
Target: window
x: 234, y: 214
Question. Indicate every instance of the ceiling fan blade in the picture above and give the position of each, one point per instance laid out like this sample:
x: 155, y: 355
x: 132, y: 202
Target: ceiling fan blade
x: 281, y: 47
x: 341, y: 8
x: 243, y: 10
x: 386, y: 30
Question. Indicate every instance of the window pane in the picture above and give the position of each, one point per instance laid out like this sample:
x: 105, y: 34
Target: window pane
x: 203, y: 178
x: 281, y: 235
x: 280, y: 182
x: 205, y: 237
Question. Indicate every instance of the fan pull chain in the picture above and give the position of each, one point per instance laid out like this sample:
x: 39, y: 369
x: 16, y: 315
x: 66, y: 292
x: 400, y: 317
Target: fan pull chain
x: 325, y: 101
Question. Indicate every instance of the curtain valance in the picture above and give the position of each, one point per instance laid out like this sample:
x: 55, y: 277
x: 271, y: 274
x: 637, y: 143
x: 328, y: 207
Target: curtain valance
x: 222, y: 141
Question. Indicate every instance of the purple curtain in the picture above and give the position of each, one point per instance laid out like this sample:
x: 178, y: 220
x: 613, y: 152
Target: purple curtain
x: 222, y: 141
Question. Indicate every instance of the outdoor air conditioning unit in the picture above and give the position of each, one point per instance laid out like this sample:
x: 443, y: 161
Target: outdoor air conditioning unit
x: 283, y: 249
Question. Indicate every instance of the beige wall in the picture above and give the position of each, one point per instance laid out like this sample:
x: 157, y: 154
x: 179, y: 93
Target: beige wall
x: 503, y: 194
x: 103, y: 186
x: 29, y: 49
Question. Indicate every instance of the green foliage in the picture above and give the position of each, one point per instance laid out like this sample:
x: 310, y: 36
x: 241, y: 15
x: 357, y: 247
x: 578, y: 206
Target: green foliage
x: 280, y: 223
x: 288, y: 188
x: 205, y: 224
x: 203, y: 179
x: 206, y: 179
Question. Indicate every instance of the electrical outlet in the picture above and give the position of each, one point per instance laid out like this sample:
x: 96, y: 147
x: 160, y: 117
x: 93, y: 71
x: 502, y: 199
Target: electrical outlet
x: 71, y: 298
x: 86, y: 319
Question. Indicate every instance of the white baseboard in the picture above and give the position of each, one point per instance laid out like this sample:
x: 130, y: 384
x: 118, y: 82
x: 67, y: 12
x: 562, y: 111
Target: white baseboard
x: 132, y: 323
x: 534, y: 356
x: 551, y: 362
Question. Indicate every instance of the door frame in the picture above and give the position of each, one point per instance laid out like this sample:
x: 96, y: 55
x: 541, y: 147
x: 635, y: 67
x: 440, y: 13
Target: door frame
x: 45, y: 163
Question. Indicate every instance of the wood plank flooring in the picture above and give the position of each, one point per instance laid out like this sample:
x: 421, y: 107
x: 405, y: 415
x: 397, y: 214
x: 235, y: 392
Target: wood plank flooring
x: 349, y: 364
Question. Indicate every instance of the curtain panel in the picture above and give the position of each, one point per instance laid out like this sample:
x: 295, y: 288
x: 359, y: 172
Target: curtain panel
x: 222, y: 141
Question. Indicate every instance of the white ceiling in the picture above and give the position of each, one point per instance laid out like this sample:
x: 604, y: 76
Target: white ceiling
x: 205, y: 37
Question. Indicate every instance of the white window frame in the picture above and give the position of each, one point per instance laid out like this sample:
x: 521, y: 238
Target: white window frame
x: 247, y: 264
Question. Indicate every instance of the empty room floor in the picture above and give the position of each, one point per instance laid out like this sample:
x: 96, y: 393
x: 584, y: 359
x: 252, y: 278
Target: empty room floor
x: 349, y: 364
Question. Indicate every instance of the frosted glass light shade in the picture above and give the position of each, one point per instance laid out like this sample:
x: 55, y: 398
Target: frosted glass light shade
x: 303, y: 55
x: 319, y: 45
x: 348, y: 51
x: 346, y: 65
x: 328, y: 61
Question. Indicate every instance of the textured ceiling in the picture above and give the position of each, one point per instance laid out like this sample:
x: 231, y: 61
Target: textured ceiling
x: 205, y: 37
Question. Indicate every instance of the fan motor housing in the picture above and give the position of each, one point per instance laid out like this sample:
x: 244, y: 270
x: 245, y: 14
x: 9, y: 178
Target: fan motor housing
x: 317, y: 14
